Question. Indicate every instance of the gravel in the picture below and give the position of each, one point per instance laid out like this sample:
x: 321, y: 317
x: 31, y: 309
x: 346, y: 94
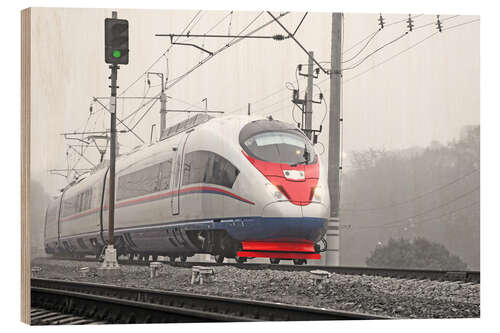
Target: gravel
x: 367, y: 294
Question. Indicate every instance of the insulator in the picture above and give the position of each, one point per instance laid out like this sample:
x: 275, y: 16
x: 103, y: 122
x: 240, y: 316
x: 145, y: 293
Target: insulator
x: 410, y: 22
x: 438, y: 24
x: 381, y: 21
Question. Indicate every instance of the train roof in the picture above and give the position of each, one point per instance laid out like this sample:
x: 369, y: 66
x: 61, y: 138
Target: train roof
x: 185, y: 125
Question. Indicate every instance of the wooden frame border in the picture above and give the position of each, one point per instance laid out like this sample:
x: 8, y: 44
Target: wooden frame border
x: 25, y: 163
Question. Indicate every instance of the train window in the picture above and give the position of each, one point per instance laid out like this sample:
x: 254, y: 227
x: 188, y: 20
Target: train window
x: 207, y: 167
x: 139, y: 183
x: 83, y: 200
x: 52, y: 212
x: 165, y: 173
x: 69, y: 206
x: 280, y: 147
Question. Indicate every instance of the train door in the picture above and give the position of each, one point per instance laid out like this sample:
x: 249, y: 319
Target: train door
x: 177, y: 173
x: 59, y: 216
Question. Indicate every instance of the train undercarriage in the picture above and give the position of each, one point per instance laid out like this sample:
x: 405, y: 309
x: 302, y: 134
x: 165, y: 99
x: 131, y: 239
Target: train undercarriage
x: 217, y: 243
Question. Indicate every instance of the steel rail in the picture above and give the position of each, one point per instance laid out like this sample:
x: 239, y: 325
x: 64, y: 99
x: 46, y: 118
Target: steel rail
x: 40, y: 316
x: 115, y: 304
x: 402, y: 273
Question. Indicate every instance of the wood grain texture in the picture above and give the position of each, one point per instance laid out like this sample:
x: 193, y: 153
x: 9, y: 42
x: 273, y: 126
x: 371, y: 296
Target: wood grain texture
x: 25, y: 162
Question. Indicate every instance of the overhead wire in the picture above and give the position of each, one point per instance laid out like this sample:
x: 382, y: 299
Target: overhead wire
x: 363, y: 48
x: 398, y: 222
x: 435, y: 22
x: 375, y: 51
x: 231, y: 43
x: 369, y: 35
x: 234, y: 41
x: 417, y: 197
x: 142, y: 75
x: 276, y: 91
x: 413, y: 223
x: 372, y: 67
x: 460, y: 24
x: 407, y: 49
x: 161, y: 56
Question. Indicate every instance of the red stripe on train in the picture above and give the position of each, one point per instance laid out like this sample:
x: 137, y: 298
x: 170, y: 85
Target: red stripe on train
x: 159, y: 196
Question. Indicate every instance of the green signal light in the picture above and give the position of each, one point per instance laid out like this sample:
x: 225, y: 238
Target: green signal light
x: 117, y: 54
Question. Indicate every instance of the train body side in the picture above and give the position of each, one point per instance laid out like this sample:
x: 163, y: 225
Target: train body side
x: 168, y: 204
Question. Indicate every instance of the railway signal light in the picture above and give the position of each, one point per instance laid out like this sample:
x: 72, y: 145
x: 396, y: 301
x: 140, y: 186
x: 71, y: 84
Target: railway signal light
x: 116, y: 41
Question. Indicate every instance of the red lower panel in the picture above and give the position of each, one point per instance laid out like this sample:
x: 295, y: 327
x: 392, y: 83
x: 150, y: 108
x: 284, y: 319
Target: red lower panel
x: 279, y: 246
x: 283, y: 255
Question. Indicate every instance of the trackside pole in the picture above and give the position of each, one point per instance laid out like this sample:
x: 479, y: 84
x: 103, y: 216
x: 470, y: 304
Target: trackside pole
x: 110, y: 263
x: 110, y: 256
x: 333, y: 230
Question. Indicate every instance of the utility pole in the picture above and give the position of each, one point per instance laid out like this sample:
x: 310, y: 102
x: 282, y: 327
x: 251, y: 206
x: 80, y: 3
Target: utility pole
x: 305, y: 104
x: 163, y: 101
x: 116, y: 52
x: 333, y: 230
x: 309, y: 96
x: 163, y: 108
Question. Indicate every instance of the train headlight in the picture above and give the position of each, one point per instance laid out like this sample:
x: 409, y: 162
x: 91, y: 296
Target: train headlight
x: 318, y: 194
x: 275, y: 192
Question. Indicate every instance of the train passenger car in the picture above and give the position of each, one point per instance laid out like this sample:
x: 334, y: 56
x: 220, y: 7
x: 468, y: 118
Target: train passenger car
x: 238, y: 187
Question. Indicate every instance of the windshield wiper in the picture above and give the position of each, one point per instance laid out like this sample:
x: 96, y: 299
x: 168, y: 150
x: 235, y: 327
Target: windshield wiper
x: 306, y: 157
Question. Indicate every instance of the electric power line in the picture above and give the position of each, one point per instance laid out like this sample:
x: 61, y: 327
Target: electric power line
x: 398, y: 222
x: 369, y: 35
x: 407, y: 49
x: 456, y: 180
x: 161, y: 56
x: 375, y: 51
x: 361, y: 228
x: 226, y: 46
x: 363, y: 48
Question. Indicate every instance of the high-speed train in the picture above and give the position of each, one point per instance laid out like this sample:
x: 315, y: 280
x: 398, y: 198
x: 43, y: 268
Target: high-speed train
x: 236, y: 187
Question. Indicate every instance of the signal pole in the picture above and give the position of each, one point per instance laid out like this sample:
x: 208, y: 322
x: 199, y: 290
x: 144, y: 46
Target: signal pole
x: 116, y: 52
x: 110, y: 257
x: 333, y: 230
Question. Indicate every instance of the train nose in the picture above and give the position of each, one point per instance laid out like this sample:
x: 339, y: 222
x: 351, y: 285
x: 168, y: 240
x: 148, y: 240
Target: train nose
x: 282, y: 209
x: 284, y: 221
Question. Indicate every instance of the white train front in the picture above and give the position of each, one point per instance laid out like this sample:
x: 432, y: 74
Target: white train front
x: 236, y: 187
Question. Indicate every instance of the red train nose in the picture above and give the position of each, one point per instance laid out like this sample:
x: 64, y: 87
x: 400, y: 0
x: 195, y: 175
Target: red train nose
x: 297, y: 183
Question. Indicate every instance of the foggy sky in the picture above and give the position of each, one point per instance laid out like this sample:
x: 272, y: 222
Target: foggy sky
x: 428, y: 93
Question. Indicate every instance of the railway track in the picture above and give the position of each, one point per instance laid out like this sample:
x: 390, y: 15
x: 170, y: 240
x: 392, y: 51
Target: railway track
x: 41, y: 316
x: 78, y: 302
x: 400, y: 273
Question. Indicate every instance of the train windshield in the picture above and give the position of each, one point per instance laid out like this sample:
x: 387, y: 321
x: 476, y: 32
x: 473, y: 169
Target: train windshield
x: 280, y: 147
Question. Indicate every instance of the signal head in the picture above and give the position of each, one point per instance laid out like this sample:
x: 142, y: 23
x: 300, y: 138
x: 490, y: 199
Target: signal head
x: 116, y: 41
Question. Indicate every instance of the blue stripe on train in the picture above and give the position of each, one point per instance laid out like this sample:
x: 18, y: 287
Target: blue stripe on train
x: 251, y: 228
